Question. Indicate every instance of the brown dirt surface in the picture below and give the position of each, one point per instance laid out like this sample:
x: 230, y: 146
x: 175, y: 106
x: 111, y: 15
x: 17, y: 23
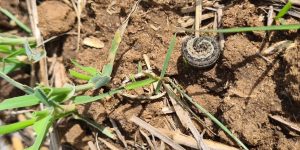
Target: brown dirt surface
x: 242, y: 90
x: 292, y: 74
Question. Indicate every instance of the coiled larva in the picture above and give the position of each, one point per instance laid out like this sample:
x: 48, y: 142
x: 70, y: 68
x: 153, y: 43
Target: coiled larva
x: 201, y: 52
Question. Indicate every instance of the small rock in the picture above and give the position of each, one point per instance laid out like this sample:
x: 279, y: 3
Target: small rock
x: 93, y: 42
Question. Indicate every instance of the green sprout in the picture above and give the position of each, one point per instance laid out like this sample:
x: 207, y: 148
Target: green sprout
x: 284, y: 10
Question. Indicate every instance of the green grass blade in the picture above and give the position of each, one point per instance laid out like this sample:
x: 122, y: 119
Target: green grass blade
x: 12, y: 17
x: 107, y: 69
x: 6, y: 49
x: 166, y: 62
x: 70, y: 92
x: 10, y: 60
x: 18, y: 85
x: 79, y: 75
x: 7, y: 68
x: 92, y: 71
x: 15, y: 53
x: 5, y: 129
x: 40, y: 94
x: 284, y: 10
x: 105, y: 130
x: 130, y: 86
x: 41, y: 128
x: 84, y: 87
x: 16, y: 41
x: 260, y: 28
x: 210, y: 116
x: 138, y: 84
x: 59, y: 94
x: 18, y: 102
x: 88, y: 99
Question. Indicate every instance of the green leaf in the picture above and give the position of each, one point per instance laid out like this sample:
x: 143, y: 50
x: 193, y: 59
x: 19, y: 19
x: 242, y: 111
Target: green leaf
x: 10, y: 67
x: 139, y: 84
x: 60, y: 94
x: 166, y: 61
x: 12, y: 17
x: 71, y: 93
x: 134, y: 85
x: 260, y: 28
x: 40, y: 94
x: 79, y: 75
x: 92, y: 71
x: 41, y: 128
x: 15, y: 40
x: 105, y: 130
x: 284, y: 10
x: 6, y: 49
x: 100, y: 80
x: 88, y: 99
x: 5, y: 129
x: 114, y: 46
x: 18, y: 85
x: 84, y: 87
x: 20, y: 101
x: 107, y: 69
x: 18, y: 52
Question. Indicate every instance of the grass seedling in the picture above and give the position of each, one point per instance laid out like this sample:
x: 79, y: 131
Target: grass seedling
x: 166, y: 62
x: 54, y: 99
x: 95, y: 78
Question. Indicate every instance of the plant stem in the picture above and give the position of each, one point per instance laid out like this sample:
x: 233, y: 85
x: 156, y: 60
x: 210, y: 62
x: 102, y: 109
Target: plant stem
x: 84, y: 87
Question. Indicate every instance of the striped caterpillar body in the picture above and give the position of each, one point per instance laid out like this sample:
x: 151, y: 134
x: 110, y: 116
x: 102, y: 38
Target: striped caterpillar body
x: 201, y: 52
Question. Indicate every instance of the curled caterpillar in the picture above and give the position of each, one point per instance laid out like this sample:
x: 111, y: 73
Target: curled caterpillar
x: 201, y: 52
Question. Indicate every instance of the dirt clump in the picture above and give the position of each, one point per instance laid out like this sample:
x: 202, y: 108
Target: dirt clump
x: 55, y: 17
